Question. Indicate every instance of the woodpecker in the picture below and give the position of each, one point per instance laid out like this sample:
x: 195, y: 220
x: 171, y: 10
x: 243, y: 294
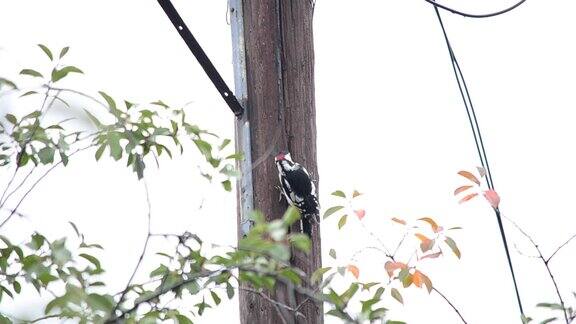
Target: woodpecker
x: 298, y: 188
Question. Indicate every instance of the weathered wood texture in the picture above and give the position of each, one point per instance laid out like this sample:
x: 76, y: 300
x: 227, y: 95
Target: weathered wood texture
x: 281, y: 112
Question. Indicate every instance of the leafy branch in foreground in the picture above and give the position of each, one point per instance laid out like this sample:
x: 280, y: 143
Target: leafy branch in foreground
x: 32, y: 147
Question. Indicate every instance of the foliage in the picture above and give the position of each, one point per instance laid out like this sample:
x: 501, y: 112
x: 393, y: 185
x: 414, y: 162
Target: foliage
x: 139, y: 134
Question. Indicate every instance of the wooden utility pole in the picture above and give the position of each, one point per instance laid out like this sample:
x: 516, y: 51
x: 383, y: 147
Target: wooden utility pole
x: 274, y: 74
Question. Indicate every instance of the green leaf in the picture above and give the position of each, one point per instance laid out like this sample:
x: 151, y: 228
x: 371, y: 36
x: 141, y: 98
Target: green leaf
x: 332, y: 254
x: 59, y: 74
x: 75, y: 228
x: 17, y: 287
x: 7, y: 82
x: 11, y: 118
x: 47, y: 51
x: 317, y: 275
x: 215, y: 297
x: 160, y: 271
x: 227, y: 185
x: 526, y: 320
x: 99, y: 302
x: 204, y: 147
x: 229, y: 290
x: 396, y: 294
x: 46, y: 155
x: 160, y: 103
x: 342, y: 221
x: 548, y: 320
x: 94, y: 120
x: 349, y: 293
x: 301, y: 241
x: 32, y: 115
x: 183, y: 319
x: 92, y: 260
x: 64, y: 51
x: 99, y: 151
x: 331, y: 211
x: 113, y: 140
x: 225, y: 143
x: 450, y: 242
x: 291, y: 275
x: 290, y: 216
x: 339, y: 193
x: 37, y: 241
x: 139, y: 166
x: 31, y: 92
x: 32, y: 73
x: 551, y: 306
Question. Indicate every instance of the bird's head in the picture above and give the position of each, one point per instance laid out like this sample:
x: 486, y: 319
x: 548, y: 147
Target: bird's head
x: 283, y: 156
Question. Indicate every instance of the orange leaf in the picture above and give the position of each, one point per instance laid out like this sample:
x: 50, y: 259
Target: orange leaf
x: 461, y: 189
x: 354, y: 270
x: 431, y: 222
x: 422, y: 237
x: 392, y: 266
x: 360, y: 213
x: 469, y: 176
x: 399, y: 221
x: 417, y: 279
x: 465, y: 199
x: 431, y: 256
x: 492, y: 197
x: 426, y: 282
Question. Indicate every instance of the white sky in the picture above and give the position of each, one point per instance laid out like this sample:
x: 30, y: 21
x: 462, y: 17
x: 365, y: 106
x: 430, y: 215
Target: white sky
x: 390, y: 124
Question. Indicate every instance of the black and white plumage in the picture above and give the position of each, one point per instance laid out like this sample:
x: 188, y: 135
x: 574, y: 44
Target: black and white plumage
x: 298, y: 188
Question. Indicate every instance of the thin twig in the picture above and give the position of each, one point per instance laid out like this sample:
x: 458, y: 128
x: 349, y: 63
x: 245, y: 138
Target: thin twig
x: 2, y: 203
x: 545, y: 262
x: 561, y: 246
x: 148, y: 234
x: 15, y: 209
x: 450, y: 303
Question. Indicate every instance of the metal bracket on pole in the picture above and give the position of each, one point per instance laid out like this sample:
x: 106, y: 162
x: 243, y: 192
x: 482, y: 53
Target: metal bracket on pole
x: 202, y: 58
x: 245, y: 189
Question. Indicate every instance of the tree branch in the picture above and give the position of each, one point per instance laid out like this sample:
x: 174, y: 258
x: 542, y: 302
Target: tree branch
x: 15, y: 209
x: 561, y: 246
x: 545, y: 262
x: 148, y: 235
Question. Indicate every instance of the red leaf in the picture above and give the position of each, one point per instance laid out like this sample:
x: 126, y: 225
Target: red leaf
x: 431, y: 256
x: 391, y: 266
x: 461, y: 189
x: 360, y: 213
x: 492, y: 197
x: 354, y: 270
x: 398, y: 220
x: 469, y: 176
x: 465, y: 199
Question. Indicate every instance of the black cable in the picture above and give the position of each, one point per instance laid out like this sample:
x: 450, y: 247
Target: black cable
x: 479, y: 146
x: 497, y: 13
x: 202, y: 58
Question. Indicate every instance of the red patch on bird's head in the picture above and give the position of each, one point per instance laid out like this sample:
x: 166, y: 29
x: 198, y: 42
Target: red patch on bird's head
x: 280, y: 156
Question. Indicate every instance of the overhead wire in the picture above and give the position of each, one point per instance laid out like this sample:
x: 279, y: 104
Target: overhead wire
x: 469, y: 15
x: 479, y: 143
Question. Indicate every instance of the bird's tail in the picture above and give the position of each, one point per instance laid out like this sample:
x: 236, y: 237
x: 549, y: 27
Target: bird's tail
x: 308, y: 220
